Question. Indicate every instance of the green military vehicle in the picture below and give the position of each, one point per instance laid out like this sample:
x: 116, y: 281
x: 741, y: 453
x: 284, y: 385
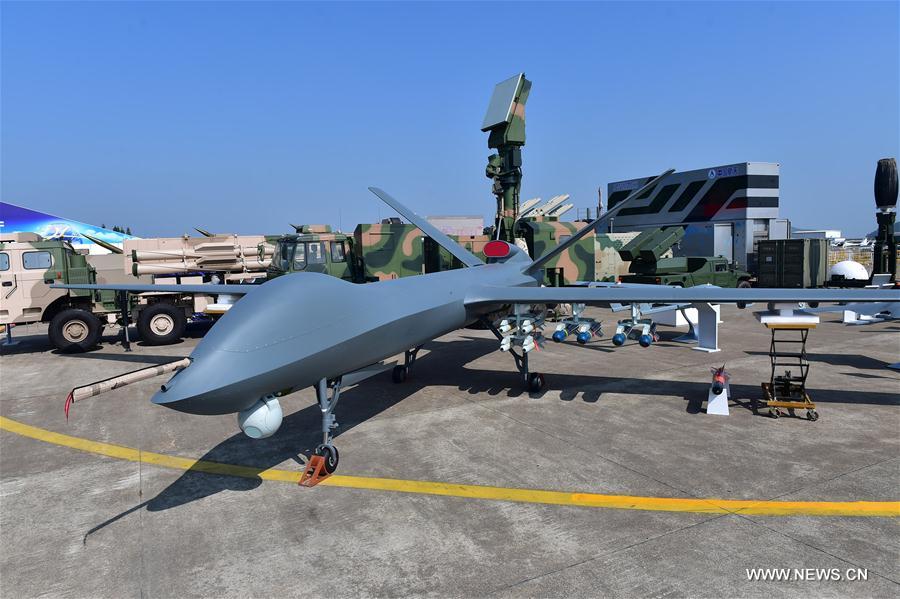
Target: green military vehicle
x: 29, y: 264
x: 648, y: 266
x: 593, y: 258
x: 387, y: 250
x: 542, y: 235
x: 375, y: 252
x: 313, y: 248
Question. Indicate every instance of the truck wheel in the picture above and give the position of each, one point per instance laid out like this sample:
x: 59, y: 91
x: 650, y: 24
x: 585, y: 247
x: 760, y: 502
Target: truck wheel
x: 743, y: 284
x: 75, y: 330
x: 161, y: 324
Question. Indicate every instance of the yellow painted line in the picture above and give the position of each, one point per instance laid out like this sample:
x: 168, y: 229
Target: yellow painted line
x: 622, y: 502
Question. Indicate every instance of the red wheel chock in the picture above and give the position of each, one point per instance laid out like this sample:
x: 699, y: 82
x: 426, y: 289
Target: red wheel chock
x: 315, y: 472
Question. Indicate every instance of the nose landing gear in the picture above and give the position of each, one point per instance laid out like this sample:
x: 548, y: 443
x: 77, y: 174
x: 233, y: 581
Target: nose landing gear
x: 325, y: 458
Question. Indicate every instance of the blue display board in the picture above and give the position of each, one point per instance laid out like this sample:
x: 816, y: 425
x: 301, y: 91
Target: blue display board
x: 18, y: 219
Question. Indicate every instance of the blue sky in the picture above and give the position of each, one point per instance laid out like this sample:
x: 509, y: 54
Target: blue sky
x: 243, y: 117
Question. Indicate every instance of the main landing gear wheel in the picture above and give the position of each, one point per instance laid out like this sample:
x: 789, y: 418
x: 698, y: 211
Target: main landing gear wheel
x: 331, y: 455
x: 534, y: 381
x: 399, y: 373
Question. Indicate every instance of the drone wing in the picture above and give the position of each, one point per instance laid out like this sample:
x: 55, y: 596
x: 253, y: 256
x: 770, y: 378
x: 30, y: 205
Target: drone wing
x: 461, y: 254
x: 140, y: 288
x: 659, y: 294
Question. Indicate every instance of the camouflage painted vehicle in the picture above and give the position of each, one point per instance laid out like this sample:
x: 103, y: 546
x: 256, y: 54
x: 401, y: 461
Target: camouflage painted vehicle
x: 313, y: 248
x: 577, y: 264
x: 688, y: 271
x: 375, y: 252
x: 389, y: 250
x: 437, y: 259
x: 234, y: 257
x: 594, y: 258
x: 30, y: 264
x: 392, y: 249
x: 651, y: 263
x: 608, y: 263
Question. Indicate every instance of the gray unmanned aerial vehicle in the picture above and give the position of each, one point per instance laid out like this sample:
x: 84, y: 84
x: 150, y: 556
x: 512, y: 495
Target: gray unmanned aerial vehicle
x: 308, y: 329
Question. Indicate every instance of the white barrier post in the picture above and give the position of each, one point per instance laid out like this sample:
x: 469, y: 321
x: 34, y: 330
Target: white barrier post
x: 707, y: 327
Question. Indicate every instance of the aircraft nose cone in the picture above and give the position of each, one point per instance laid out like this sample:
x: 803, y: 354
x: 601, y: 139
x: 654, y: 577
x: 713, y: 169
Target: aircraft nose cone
x: 184, y: 391
x: 246, y: 354
x: 205, y: 387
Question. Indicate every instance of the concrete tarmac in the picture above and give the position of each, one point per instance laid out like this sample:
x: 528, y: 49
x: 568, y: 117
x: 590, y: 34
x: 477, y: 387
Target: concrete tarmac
x: 611, y: 421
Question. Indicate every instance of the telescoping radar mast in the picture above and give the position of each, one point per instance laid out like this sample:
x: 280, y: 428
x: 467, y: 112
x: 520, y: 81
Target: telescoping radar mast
x: 505, y: 123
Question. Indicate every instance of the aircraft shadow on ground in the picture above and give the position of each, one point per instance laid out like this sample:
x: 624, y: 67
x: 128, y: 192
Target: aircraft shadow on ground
x: 445, y: 364
x: 592, y: 387
x: 300, y: 431
x: 855, y: 361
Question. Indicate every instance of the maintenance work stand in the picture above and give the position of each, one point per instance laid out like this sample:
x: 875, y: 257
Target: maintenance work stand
x: 786, y: 388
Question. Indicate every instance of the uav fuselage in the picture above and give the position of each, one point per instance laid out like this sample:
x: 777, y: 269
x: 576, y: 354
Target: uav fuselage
x: 301, y: 328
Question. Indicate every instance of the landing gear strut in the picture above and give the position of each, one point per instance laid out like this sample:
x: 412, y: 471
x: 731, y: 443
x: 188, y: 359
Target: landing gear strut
x: 400, y: 372
x: 534, y: 381
x: 326, y: 449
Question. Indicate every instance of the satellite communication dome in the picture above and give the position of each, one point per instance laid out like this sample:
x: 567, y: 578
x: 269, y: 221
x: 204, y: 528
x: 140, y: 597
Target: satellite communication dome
x: 850, y: 271
x: 886, y: 183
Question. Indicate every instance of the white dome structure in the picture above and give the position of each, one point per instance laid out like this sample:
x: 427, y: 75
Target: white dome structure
x: 849, y: 270
x: 262, y: 419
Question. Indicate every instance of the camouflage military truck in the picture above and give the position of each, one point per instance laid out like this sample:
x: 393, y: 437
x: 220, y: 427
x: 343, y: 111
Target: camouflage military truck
x: 594, y: 258
x: 28, y: 265
x: 688, y: 271
x: 76, y: 318
x: 438, y: 259
x: 649, y: 266
x: 235, y: 258
x: 608, y: 264
x: 576, y: 264
x: 313, y: 248
x: 375, y: 252
x: 389, y: 250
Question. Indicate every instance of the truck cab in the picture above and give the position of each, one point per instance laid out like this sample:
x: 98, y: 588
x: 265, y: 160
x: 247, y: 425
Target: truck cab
x: 314, y: 248
x: 28, y: 266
